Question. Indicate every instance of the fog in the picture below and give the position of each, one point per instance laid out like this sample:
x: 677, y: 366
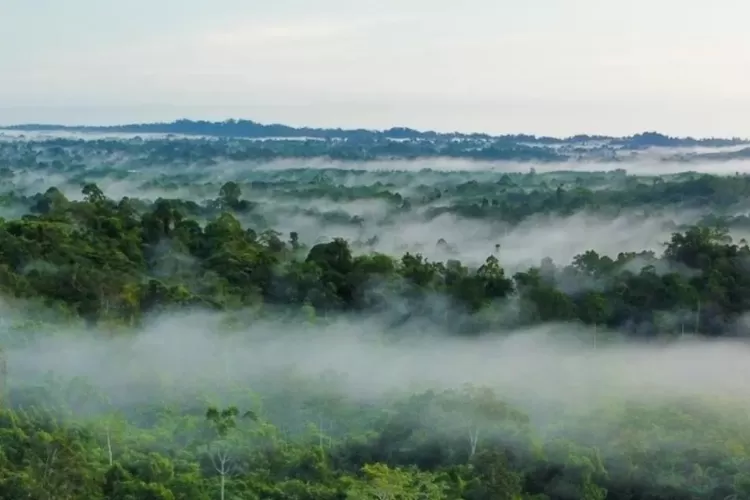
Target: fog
x: 521, y: 246
x: 473, y: 240
x: 563, y: 376
x: 547, y: 371
x: 375, y: 224
x: 637, y: 164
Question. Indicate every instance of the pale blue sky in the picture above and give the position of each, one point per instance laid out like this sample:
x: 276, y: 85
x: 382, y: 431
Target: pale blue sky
x: 536, y: 66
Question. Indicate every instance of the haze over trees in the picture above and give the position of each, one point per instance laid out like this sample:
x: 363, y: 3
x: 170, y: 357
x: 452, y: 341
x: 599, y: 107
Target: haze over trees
x: 247, y: 140
x: 362, y: 318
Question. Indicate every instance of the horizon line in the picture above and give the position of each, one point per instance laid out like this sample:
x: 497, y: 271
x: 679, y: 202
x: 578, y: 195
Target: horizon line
x: 37, y: 126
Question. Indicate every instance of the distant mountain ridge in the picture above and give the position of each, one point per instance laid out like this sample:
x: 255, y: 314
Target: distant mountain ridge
x: 250, y: 129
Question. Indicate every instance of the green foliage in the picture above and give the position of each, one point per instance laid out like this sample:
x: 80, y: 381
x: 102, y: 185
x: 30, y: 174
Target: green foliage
x: 402, y: 448
x: 69, y: 258
x: 108, y: 265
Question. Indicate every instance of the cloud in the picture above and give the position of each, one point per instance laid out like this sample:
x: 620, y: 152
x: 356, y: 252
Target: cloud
x: 475, y: 65
x: 261, y: 35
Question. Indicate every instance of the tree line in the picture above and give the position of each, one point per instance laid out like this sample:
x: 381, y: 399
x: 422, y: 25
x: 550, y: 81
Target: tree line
x: 250, y: 128
x: 116, y: 261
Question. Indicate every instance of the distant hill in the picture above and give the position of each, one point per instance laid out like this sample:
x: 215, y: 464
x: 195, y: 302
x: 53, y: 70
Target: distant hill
x: 251, y: 129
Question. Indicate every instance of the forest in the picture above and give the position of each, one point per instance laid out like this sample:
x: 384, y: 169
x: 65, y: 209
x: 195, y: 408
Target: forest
x: 248, y: 141
x: 196, y: 319
x: 249, y: 128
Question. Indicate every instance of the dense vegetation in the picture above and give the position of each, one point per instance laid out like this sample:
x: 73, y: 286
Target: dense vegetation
x: 247, y: 140
x: 249, y: 128
x: 210, y: 235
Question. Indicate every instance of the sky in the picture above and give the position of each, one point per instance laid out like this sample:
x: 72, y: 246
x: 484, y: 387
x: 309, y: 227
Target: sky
x: 557, y: 67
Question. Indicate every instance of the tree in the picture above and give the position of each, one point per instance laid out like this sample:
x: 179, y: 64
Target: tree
x: 381, y: 482
x: 92, y: 193
x: 230, y: 194
x: 594, y: 310
x: 477, y: 410
x: 220, y: 448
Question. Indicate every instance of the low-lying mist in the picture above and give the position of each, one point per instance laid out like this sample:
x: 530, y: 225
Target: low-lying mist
x: 546, y: 371
x: 472, y: 241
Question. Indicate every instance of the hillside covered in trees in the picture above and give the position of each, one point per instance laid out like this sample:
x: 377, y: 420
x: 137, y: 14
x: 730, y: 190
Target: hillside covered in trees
x: 195, y: 319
